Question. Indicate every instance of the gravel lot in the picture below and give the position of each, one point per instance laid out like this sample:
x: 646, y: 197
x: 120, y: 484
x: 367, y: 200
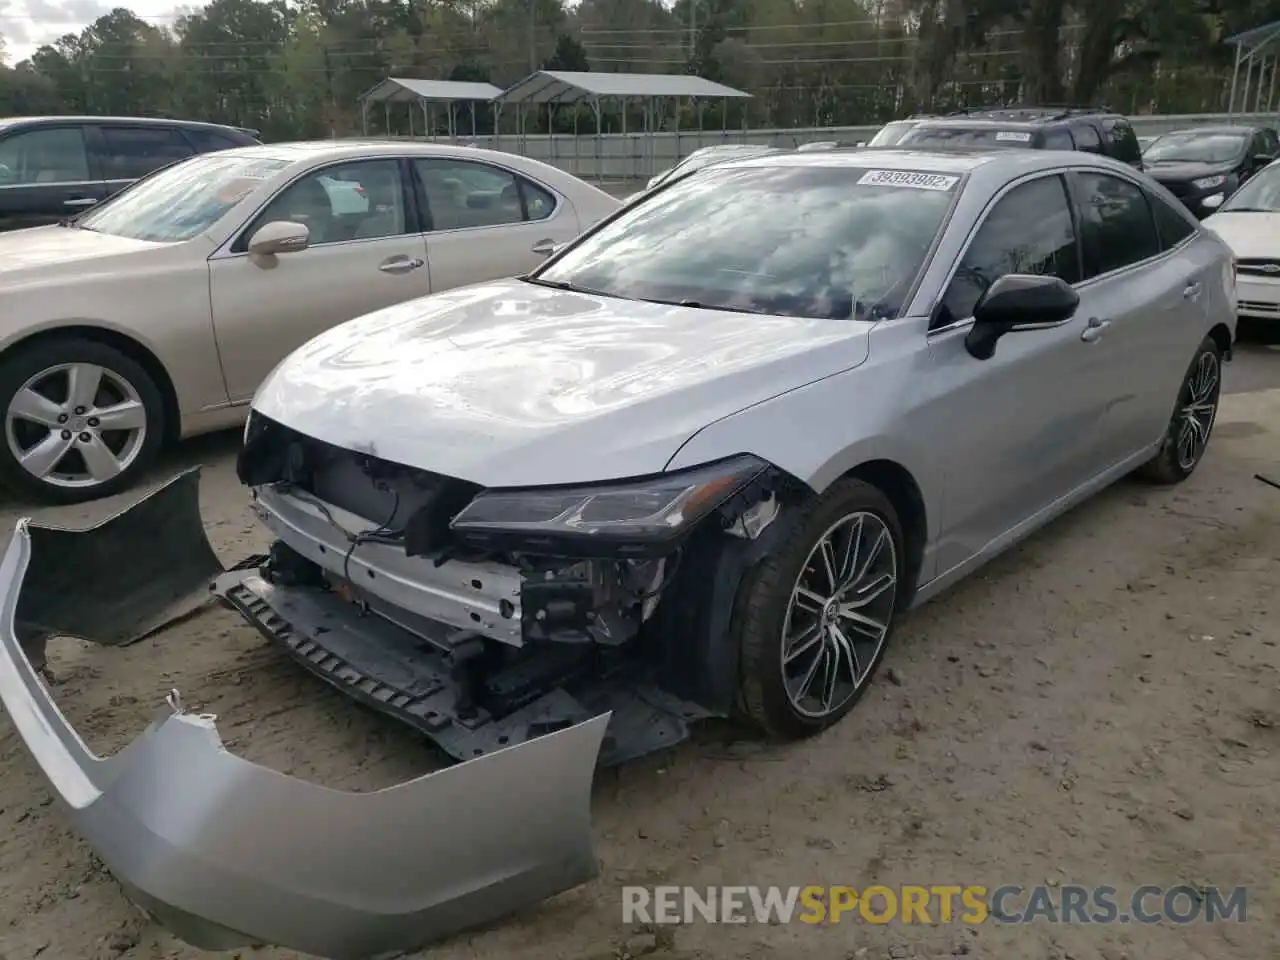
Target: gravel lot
x: 1100, y: 707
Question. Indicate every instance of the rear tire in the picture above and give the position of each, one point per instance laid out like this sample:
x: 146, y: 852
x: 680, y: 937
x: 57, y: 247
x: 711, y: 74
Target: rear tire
x: 821, y: 607
x: 81, y: 420
x: 1190, y: 426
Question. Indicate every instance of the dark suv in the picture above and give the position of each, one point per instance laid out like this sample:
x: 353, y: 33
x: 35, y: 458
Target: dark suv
x: 1044, y: 128
x: 54, y: 167
x: 1205, y: 165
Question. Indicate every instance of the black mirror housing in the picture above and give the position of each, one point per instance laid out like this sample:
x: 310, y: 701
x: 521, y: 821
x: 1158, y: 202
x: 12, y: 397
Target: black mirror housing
x: 1018, y: 302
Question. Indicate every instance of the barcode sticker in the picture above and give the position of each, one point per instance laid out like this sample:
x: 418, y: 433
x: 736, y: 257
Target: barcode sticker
x: 908, y: 178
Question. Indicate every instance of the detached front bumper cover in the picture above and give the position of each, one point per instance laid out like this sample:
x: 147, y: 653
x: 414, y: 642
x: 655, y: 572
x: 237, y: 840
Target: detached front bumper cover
x: 226, y: 853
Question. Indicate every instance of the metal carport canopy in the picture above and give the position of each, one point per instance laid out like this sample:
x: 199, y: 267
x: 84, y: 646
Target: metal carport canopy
x: 403, y: 90
x: 1251, y: 49
x: 559, y: 86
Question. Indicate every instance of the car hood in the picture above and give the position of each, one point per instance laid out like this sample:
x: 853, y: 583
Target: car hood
x: 515, y: 384
x: 1178, y: 171
x: 38, y: 251
x: 1248, y: 234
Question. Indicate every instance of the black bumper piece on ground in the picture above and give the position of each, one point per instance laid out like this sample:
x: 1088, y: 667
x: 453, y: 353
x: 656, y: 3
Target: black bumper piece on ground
x: 394, y: 672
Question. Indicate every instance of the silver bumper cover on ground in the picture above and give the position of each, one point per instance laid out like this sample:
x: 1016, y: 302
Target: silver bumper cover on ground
x: 227, y: 853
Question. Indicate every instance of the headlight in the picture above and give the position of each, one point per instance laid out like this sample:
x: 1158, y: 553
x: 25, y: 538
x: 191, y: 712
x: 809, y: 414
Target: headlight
x: 1207, y: 183
x: 654, y: 509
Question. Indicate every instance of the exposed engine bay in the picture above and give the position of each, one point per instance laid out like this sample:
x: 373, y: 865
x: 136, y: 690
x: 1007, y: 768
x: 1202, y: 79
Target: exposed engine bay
x: 483, y: 634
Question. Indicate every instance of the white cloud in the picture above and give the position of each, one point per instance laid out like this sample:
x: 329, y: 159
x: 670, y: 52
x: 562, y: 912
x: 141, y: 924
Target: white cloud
x: 26, y: 25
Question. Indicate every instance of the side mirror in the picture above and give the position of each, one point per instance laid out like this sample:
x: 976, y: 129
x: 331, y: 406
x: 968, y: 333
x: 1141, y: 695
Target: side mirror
x: 279, y: 236
x: 1018, y: 302
x: 1262, y: 159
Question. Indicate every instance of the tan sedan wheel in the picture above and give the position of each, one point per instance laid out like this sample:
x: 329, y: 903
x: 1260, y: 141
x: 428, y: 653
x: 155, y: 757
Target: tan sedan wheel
x: 81, y: 420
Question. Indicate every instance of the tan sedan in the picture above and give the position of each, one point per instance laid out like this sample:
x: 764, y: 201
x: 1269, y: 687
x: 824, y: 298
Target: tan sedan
x: 155, y: 315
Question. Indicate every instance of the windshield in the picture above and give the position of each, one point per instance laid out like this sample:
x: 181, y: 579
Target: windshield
x: 799, y: 241
x: 1197, y: 148
x: 954, y: 135
x: 1261, y: 194
x: 891, y: 133
x: 180, y: 201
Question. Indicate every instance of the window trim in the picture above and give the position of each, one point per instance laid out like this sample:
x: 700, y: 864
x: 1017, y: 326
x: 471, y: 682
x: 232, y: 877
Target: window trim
x: 1061, y: 174
x: 101, y: 144
x: 428, y: 221
x: 226, y: 250
x: 1076, y: 198
x: 90, y: 160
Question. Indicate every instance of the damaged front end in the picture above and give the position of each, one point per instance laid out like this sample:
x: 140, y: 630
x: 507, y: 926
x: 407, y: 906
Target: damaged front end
x: 486, y: 618
x: 532, y: 635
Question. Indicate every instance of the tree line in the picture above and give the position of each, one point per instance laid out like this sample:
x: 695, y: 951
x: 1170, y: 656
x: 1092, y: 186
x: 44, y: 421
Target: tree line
x: 296, y: 69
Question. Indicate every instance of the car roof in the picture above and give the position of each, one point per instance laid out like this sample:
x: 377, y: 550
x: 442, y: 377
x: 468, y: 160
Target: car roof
x: 994, y: 164
x: 133, y: 121
x: 1238, y: 128
x: 981, y: 123
x: 303, y: 150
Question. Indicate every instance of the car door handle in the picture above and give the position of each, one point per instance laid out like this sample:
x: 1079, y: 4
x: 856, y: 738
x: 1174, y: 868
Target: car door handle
x: 400, y: 264
x: 1096, y: 328
x: 1192, y: 290
x: 544, y: 248
x: 80, y: 202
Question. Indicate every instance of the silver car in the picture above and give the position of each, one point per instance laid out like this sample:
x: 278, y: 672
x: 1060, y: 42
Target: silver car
x: 694, y: 465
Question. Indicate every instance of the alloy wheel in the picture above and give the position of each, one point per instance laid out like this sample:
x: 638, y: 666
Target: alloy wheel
x: 1195, y: 416
x: 76, y: 425
x: 839, y: 614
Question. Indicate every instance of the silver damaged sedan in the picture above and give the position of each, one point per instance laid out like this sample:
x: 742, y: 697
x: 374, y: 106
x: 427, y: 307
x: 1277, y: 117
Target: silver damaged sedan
x: 693, y: 465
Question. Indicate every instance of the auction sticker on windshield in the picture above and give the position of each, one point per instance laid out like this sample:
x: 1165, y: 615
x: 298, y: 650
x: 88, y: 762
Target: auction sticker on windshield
x: 907, y: 178
x: 1013, y: 136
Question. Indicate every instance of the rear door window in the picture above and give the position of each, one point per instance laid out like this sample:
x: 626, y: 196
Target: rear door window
x: 1058, y: 138
x: 132, y: 152
x: 1087, y: 138
x: 1118, y: 226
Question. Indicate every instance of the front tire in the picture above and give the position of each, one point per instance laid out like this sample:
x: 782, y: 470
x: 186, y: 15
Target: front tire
x: 814, y: 618
x: 1194, y: 415
x: 81, y: 420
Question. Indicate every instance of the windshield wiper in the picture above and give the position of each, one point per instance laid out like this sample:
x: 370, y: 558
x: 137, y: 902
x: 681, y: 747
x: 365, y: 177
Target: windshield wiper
x: 567, y: 286
x: 554, y: 284
x: 699, y: 305
x: 1248, y: 210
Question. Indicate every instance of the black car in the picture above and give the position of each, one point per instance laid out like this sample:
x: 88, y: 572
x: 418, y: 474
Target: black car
x: 54, y: 167
x: 1088, y: 129
x: 1205, y: 165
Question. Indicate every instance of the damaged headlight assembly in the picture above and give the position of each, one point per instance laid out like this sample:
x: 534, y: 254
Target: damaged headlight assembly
x: 634, y: 518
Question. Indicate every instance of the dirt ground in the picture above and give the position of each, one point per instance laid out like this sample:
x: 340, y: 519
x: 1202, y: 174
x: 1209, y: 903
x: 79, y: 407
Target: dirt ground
x: 1100, y: 707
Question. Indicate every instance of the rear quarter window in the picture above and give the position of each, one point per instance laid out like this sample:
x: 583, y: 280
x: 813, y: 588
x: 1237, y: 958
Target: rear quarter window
x: 207, y: 141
